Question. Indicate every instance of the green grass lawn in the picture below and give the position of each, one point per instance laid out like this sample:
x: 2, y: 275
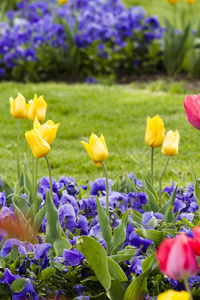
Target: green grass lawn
x: 119, y: 112
x: 163, y: 8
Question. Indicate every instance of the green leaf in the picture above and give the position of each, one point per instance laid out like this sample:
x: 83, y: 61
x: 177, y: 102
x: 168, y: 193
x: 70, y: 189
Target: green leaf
x: 196, y: 186
x: 153, y: 235
x: 6, y: 187
x: 106, y: 230
x: 52, y: 218
x: 28, y: 184
x: 21, y: 203
x: 169, y: 203
x: 18, y: 285
x: 47, y: 273
x: 97, y: 258
x: 119, y: 234
x: 153, y: 222
x: 169, y: 215
x: 125, y: 254
x: 30, y: 213
x: 117, y: 276
x: 14, y: 252
x: 136, y: 216
x: 60, y: 244
x: 39, y: 218
x: 147, y: 263
x: 153, y: 199
x: 137, y: 289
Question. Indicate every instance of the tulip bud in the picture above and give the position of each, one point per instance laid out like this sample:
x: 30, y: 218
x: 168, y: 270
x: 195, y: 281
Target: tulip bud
x: 155, y: 131
x: 18, y: 107
x: 37, y: 109
x: 171, y: 142
x: 47, y: 131
x: 177, y: 257
x: 38, y: 145
x: 192, y: 109
x: 174, y: 295
x: 96, y: 149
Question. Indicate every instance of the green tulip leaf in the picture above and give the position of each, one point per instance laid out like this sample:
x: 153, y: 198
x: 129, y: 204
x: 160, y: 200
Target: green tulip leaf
x: 169, y: 203
x: 21, y: 203
x: 52, y: 218
x: 169, y: 215
x: 196, y: 186
x: 39, y: 218
x: 106, y: 230
x: 125, y: 254
x: 119, y: 234
x: 153, y: 235
x: 153, y: 199
x: 60, y: 244
x: 5, y: 187
x: 96, y: 256
x: 117, y: 276
x: 30, y: 213
x: 138, y: 287
x: 136, y: 216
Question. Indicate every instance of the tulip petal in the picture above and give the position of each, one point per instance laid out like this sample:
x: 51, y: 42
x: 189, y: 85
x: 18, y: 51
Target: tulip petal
x: 38, y: 145
x: 97, y: 148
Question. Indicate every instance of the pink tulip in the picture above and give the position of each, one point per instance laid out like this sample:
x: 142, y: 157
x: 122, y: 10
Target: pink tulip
x: 177, y: 258
x: 192, y: 108
x: 196, y: 243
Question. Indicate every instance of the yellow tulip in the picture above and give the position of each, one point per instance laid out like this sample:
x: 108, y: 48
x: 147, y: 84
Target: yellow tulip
x: 37, y: 109
x: 155, y: 132
x: 62, y: 1
x: 18, y: 107
x: 171, y: 142
x: 190, y: 1
x: 38, y: 145
x: 172, y: 2
x: 47, y: 131
x: 174, y: 295
x: 96, y: 149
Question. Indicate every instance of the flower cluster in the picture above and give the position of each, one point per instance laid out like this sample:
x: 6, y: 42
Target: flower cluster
x: 40, y: 34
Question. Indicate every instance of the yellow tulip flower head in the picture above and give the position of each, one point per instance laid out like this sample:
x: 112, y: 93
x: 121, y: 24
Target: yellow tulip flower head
x: 174, y: 295
x: 37, y: 109
x: 62, y: 1
x: 96, y: 149
x: 155, y: 132
x: 18, y: 107
x: 38, y: 145
x: 47, y: 131
x: 190, y: 1
x: 172, y: 2
x: 171, y: 142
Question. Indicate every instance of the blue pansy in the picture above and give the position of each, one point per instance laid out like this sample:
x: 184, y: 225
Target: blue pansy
x: 7, y: 246
x: 72, y: 257
x: 42, y: 250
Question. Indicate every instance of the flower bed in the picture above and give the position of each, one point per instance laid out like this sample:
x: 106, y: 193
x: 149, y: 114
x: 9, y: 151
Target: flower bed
x: 40, y: 272
x: 78, y: 38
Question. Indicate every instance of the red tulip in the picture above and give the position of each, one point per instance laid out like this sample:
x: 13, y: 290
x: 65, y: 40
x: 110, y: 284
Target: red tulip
x: 177, y: 258
x: 196, y: 242
x: 192, y: 108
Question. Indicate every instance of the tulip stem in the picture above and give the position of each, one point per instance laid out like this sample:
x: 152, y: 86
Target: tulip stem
x: 35, y: 186
x: 107, y: 189
x: 18, y: 141
x: 33, y: 176
x: 152, y: 151
x: 187, y: 288
x: 50, y: 177
x: 161, y: 175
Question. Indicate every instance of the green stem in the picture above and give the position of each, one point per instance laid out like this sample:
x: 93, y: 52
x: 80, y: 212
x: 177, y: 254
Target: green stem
x: 152, y: 151
x: 187, y: 288
x: 174, y: 16
x: 33, y: 176
x: 161, y: 175
x: 191, y: 12
x: 50, y: 177
x: 18, y: 141
x: 107, y: 189
x: 35, y: 186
